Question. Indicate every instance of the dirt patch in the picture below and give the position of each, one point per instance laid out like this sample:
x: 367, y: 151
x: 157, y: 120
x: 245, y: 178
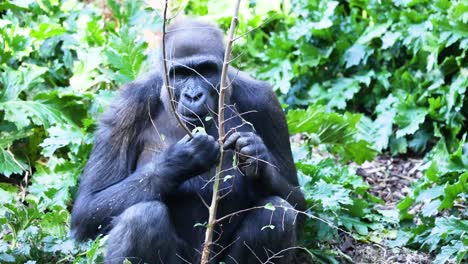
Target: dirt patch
x: 367, y: 253
x: 390, y: 178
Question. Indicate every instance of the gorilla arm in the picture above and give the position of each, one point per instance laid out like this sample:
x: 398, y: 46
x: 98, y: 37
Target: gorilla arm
x: 278, y: 176
x: 111, y: 183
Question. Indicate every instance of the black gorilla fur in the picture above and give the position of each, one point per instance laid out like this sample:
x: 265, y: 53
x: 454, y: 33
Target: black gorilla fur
x: 145, y: 180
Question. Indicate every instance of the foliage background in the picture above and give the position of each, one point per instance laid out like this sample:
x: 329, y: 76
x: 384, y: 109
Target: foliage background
x: 357, y: 78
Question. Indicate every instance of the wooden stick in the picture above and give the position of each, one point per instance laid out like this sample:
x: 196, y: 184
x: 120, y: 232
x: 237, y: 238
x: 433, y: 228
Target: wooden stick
x: 221, y: 133
x: 166, y: 73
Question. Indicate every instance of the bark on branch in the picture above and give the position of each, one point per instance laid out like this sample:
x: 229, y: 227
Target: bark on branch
x: 166, y: 73
x: 223, y: 87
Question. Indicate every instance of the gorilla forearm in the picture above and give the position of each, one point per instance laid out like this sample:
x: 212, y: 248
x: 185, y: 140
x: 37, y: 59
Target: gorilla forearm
x: 152, y: 181
x: 275, y: 184
x: 95, y: 210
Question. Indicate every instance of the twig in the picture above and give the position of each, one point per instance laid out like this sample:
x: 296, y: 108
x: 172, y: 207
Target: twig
x: 223, y: 87
x: 166, y: 73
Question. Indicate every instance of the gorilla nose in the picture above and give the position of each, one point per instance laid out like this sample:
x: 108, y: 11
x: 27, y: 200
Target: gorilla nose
x: 193, y: 97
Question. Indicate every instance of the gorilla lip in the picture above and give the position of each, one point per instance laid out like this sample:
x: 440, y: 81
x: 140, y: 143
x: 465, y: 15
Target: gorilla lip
x: 191, y: 117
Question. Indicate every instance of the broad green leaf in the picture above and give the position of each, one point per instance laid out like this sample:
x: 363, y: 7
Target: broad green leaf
x: 355, y: 55
x: 408, y: 118
x: 372, y: 32
x: 452, y: 191
x: 25, y: 113
x: 45, y: 30
x: 389, y: 39
x: 9, y: 164
x: 352, y: 223
x: 19, y: 80
x: 60, y: 136
x: 450, y: 252
x: 126, y: 54
x: 86, y: 71
x: 8, y: 193
x: 330, y: 196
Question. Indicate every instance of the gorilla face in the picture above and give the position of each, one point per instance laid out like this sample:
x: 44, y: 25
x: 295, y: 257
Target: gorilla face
x: 195, y: 53
x: 196, y: 85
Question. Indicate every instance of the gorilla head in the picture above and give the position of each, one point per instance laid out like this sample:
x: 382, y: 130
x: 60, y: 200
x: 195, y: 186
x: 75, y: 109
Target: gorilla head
x: 195, y: 56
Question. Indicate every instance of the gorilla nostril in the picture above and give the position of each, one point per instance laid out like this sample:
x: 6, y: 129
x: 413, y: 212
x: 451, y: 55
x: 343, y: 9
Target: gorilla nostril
x: 188, y: 97
x: 198, y: 96
x: 193, y: 97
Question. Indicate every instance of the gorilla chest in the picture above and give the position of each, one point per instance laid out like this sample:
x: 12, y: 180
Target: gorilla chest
x: 188, y: 210
x: 233, y: 185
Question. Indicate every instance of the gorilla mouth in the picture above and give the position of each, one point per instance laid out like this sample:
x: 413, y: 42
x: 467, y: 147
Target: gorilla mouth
x: 191, y: 117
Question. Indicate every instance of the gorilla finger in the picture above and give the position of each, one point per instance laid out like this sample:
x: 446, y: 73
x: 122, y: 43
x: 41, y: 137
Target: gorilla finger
x: 248, y: 162
x: 185, y: 139
x: 244, y: 141
x: 230, y: 140
x: 200, y: 139
x: 250, y: 150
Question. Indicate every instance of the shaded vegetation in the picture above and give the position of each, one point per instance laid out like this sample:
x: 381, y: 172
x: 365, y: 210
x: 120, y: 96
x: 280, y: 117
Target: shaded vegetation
x: 357, y: 78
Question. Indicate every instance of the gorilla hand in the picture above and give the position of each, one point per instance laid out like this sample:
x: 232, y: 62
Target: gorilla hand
x: 195, y: 155
x: 252, y: 152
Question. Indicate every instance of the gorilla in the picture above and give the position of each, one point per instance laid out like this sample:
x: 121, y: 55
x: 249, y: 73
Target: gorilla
x: 147, y: 183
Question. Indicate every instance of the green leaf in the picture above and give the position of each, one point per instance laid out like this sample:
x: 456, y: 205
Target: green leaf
x: 330, y: 196
x: 372, y: 32
x: 355, y: 55
x: 86, y: 71
x: 8, y: 193
x: 269, y: 206
x: 336, y: 130
x: 9, y: 164
x: 450, y: 252
x: 45, y: 30
x: 430, y: 194
x: 342, y: 90
x: 431, y: 208
x: 126, y: 54
x: 62, y: 135
x: 16, y: 81
x: 408, y: 119
x: 23, y: 113
x: 268, y: 226
x: 452, y: 191
x: 389, y: 39
x: 354, y: 223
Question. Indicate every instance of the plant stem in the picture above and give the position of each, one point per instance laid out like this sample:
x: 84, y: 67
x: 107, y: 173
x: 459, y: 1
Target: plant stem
x: 166, y: 73
x: 221, y: 133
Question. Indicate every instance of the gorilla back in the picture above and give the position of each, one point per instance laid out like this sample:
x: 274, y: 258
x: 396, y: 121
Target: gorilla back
x: 146, y: 183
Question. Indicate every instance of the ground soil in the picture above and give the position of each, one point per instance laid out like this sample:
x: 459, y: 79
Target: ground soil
x: 390, y: 179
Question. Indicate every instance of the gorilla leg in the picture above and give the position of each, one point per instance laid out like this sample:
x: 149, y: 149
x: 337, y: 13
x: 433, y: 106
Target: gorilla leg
x: 265, y: 236
x: 143, y: 233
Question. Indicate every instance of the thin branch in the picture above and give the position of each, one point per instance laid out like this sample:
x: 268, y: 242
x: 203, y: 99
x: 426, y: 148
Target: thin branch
x: 223, y: 87
x: 166, y: 73
x: 257, y: 27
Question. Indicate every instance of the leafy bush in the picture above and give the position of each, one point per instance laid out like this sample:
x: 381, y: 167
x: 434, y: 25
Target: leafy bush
x: 441, y: 196
x: 402, y: 65
x: 58, y: 61
x: 356, y: 77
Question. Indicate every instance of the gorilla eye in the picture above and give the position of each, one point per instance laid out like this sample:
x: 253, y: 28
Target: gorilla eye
x: 181, y: 71
x: 207, y: 69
